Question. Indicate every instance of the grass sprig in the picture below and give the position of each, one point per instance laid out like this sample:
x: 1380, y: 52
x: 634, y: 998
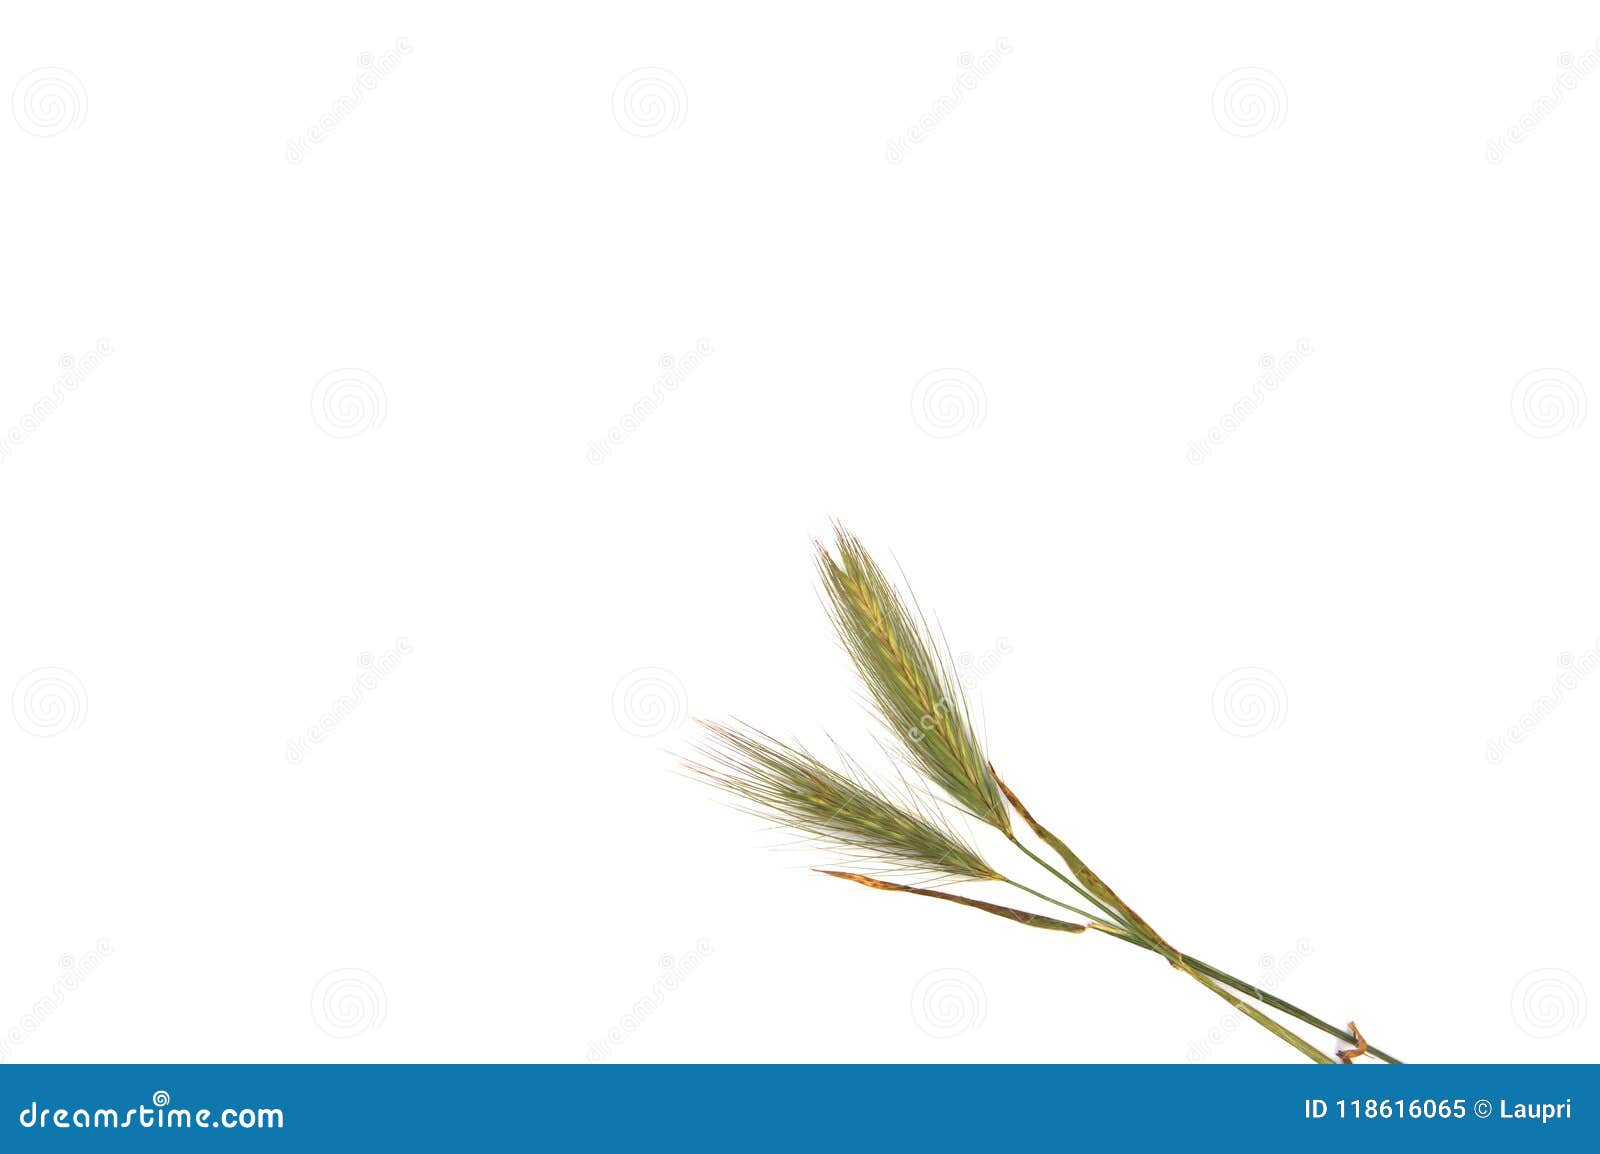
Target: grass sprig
x: 911, y: 685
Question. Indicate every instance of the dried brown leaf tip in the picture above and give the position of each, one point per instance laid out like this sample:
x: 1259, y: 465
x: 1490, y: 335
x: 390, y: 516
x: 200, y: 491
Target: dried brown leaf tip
x: 1349, y: 1056
x: 1037, y: 921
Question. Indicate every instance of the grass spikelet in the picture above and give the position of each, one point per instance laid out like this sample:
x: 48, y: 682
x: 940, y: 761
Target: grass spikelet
x: 787, y: 784
x: 909, y: 678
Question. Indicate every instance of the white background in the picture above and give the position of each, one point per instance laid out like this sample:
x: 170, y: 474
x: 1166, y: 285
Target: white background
x: 490, y: 857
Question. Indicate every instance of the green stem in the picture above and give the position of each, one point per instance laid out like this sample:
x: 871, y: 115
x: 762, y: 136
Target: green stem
x: 1260, y: 1019
x: 1277, y: 1003
x: 1265, y: 997
x: 1076, y: 888
x: 1139, y: 931
x: 1186, y: 964
x: 1051, y: 900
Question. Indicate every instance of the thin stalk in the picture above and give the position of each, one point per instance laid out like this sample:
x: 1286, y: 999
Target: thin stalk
x: 1142, y: 933
x: 1094, y: 919
x: 1260, y: 995
x: 1104, y: 894
x: 1040, y: 922
x: 1076, y: 888
x: 1261, y: 1019
x: 1277, y: 1003
x: 1241, y: 986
